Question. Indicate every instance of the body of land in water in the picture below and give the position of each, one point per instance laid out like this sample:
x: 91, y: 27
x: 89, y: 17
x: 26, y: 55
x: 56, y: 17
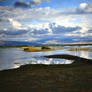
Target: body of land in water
x: 46, y: 69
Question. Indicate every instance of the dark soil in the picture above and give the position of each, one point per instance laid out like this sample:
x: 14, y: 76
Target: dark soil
x: 48, y: 78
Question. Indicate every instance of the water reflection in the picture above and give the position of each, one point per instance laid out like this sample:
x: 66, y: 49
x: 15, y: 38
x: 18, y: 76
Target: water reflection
x: 15, y: 57
x: 50, y: 61
x: 84, y: 54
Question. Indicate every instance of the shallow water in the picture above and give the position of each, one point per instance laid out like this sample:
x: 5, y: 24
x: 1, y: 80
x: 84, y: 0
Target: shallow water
x: 15, y: 57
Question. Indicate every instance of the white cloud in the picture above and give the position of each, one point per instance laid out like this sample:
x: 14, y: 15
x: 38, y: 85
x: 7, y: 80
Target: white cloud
x: 14, y: 23
x: 83, y: 5
x: 38, y: 26
x: 50, y: 31
x: 37, y: 1
x: 31, y: 39
x: 40, y: 1
x: 79, y: 34
x: 85, y: 8
x: 5, y: 29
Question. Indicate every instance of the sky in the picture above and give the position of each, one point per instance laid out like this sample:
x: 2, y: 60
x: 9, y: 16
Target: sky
x: 51, y: 20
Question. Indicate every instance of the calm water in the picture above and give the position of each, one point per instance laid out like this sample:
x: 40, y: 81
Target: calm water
x: 15, y: 57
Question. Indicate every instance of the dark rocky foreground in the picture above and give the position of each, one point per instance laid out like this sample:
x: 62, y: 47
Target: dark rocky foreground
x: 47, y: 78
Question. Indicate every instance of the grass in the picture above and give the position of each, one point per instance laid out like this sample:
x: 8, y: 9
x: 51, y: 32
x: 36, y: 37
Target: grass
x: 35, y: 49
x: 62, y: 45
x: 29, y: 48
x: 80, y: 49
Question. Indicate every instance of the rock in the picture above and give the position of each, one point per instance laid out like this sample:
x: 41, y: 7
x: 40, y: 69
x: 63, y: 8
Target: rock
x: 45, y: 48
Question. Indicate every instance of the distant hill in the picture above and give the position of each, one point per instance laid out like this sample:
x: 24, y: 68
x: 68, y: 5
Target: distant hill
x: 48, y: 41
x: 18, y: 43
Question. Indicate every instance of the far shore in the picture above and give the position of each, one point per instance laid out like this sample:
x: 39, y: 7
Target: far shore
x: 38, y: 48
x: 62, y: 45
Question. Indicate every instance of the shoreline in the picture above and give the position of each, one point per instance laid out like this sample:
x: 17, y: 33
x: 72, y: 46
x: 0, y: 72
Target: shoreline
x: 76, y: 60
x: 47, y: 78
x: 75, y: 77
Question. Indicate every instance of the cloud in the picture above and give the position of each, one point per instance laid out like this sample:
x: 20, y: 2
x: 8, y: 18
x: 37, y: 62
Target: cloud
x: 22, y: 5
x: 62, y: 29
x: 83, y: 8
x: 83, y: 5
x: 47, y: 14
x: 30, y: 4
x: 2, y: 1
x: 40, y: 29
x: 1, y: 20
x: 19, y: 32
x: 79, y: 35
x: 15, y: 24
x: 51, y: 42
x: 40, y: 1
x: 32, y: 39
x: 45, y: 21
x: 88, y: 33
x: 37, y: 1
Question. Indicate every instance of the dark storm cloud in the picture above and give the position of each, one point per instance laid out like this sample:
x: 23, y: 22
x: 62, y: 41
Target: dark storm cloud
x: 90, y: 31
x: 18, y: 32
x: 25, y: 5
x: 29, y: 4
x: 2, y: 1
x: 63, y: 29
x: 21, y: 5
x: 0, y: 20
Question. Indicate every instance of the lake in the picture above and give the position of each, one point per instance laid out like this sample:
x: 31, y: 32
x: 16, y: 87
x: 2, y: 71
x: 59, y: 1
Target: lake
x: 15, y: 57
